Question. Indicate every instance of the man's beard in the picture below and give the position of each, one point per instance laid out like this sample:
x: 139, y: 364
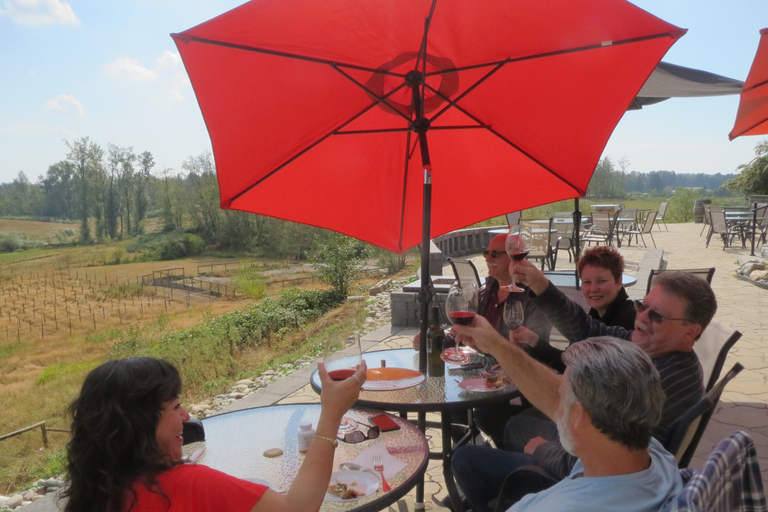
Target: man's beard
x: 564, y: 431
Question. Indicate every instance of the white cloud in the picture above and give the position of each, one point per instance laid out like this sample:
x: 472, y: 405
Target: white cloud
x: 126, y: 68
x: 36, y: 128
x: 64, y: 102
x: 169, y: 60
x: 39, y: 12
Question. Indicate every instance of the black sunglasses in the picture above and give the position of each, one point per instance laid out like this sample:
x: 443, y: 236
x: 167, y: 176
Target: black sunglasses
x: 358, y: 437
x: 653, y: 315
x: 494, y: 253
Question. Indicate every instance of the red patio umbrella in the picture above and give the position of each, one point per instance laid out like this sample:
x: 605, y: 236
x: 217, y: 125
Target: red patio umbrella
x: 320, y: 112
x: 752, y: 116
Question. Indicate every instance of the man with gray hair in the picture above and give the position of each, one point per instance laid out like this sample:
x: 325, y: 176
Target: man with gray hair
x: 606, y: 406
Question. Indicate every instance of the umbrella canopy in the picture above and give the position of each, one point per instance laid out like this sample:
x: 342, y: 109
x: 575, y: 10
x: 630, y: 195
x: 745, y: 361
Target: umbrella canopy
x: 752, y: 116
x: 312, y: 118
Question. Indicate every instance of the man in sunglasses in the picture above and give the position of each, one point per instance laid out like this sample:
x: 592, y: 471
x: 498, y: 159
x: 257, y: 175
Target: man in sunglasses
x: 669, y: 321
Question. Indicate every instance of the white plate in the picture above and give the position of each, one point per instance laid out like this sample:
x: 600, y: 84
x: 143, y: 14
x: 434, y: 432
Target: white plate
x: 385, y: 384
x: 360, y: 481
x: 478, y: 386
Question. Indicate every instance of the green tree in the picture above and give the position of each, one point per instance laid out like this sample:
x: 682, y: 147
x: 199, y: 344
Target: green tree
x: 203, y: 197
x: 86, y: 158
x: 682, y: 202
x: 143, y: 176
x: 754, y: 175
x: 607, y: 182
x: 338, y: 261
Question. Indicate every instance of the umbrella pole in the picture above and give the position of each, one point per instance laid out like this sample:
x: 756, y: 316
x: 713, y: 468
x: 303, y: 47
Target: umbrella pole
x: 576, y: 227
x: 424, y: 295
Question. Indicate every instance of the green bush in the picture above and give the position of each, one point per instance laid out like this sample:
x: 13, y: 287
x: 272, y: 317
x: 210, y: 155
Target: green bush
x: 681, y: 205
x: 9, y: 244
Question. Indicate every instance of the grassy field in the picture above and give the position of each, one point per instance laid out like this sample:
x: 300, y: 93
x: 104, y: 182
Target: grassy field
x: 62, y: 312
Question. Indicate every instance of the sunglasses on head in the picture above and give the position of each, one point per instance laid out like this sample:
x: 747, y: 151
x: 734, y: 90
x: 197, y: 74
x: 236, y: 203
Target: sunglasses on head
x: 357, y: 436
x: 653, y: 315
x: 494, y: 253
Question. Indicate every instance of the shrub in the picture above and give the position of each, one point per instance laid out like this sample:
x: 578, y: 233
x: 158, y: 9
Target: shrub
x: 8, y: 244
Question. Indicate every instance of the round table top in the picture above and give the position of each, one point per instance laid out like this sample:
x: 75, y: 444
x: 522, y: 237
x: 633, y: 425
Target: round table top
x: 235, y: 443
x: 434, y: 394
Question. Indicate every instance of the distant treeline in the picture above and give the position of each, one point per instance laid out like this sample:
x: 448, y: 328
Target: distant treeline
x: 659, y: 180
x: 112, y: 193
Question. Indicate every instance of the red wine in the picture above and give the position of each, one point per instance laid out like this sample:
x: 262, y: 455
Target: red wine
x: 513, y: 326
x: 519, y: 256
x: 341, y: 374
x: 462, y: 317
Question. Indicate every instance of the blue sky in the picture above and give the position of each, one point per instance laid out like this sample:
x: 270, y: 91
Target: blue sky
x: 109, y: 70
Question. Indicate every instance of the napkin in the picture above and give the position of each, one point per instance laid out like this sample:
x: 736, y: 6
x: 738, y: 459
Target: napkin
x: 392, y: 465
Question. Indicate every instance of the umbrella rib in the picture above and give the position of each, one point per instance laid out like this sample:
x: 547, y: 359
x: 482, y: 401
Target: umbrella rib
x: 380, y: 99
x: 395, y: 130
x: 276, y: 53
x: 752, y: 87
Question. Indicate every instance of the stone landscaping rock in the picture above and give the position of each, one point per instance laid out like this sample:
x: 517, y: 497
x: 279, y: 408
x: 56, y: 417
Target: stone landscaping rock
x: 14, y: 501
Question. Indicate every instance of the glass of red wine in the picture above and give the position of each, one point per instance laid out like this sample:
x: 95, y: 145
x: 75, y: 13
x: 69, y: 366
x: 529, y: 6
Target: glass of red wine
x: 461, y: 307
x: 518, y: 246
x: 341, y: 357
x: 513, y: 315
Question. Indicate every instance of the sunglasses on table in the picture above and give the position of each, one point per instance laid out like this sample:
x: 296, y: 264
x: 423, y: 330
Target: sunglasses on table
x: 494, y: 253
x: 653, y: 315
x: 356, y: 436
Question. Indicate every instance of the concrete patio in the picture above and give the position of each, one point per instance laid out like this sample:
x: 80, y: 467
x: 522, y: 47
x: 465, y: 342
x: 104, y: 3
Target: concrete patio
x: 742, y: 306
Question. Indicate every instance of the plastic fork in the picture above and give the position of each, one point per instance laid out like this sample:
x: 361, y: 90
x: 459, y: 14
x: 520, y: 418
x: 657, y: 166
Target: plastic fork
x: 378, y: 465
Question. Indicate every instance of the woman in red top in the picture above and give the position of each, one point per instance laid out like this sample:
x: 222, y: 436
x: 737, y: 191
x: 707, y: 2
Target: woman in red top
x: 125, y: 450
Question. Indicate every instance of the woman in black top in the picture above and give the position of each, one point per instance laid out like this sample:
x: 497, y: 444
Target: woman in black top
x: 600, y: 269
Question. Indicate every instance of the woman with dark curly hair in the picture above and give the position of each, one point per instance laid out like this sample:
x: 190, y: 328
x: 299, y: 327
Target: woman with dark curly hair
x: 125, y: 451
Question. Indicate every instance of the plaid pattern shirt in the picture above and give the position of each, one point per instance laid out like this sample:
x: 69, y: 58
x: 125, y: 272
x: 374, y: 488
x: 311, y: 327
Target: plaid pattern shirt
x: 729, y: 480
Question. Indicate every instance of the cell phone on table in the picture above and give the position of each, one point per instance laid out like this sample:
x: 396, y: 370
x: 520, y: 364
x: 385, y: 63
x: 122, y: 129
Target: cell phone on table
x: 384, y: 422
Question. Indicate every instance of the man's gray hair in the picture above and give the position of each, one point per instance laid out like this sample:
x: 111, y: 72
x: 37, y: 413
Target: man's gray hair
x: 618, y: 386
x: 701, y: 304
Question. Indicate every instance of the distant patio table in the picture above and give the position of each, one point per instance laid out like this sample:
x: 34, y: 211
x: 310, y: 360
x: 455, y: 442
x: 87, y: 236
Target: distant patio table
x: 235, y: 443
x: 435, y: 394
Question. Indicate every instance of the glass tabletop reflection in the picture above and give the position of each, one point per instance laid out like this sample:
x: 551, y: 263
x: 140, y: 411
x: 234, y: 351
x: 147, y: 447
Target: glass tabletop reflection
x: 453, y: 391
x: 235, y: 444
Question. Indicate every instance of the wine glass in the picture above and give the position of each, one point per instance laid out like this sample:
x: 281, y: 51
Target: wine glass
x: 341, y: 357
x: 518, y: 245
x: 513, y: 315
x: 461, y: 307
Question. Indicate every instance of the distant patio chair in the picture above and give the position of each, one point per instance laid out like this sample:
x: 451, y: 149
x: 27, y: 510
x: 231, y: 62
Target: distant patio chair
x: 660, y: 215
x: 646, y: 230
x: 542, y: 238
x: 563, y: 241
x: 602, y: 230
x: 513, y: 219
x: 720, y: 226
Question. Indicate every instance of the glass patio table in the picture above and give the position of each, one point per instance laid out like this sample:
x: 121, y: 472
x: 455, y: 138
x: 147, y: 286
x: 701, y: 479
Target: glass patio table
x: 235, y: 443
x: 435, y: 394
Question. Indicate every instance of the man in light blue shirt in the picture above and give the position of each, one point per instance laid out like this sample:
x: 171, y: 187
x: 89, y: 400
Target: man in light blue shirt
x: 606, y: 405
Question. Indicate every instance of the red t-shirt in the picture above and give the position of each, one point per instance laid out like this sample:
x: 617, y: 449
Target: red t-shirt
x: 197, y: 488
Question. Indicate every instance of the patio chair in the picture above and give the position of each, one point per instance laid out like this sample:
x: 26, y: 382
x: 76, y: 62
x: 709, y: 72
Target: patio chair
x: 660, y: 215
x: 729, y: 480
x: 721, y: 227
x: 646, y: 230
x: 712, y: 348
x: 542, y: 238
x: 513, y: 218
x: 563, y: 242
x: 192, y: 431
x: 689, y: 428
x: 704, y: 273
x: 465, y: 272
x: 707, y: 222
x: 603, y: 229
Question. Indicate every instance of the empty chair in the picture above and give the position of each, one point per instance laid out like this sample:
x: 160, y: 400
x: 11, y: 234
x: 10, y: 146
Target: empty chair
x: 603, y: 229
x: 563, y: 241
x: 465, y: 272
x: 720, y: 226
x: 660, y: 215
x: 513, y: 219
x: 704, y: 273
x: 645, y: 230
x: 712, y: 348
x: 542, y: 238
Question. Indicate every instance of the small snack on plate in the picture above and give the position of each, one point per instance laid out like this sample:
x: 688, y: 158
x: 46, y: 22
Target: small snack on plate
x: 495, y: 380
x: 273, y: 452
x: 342, y: 491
